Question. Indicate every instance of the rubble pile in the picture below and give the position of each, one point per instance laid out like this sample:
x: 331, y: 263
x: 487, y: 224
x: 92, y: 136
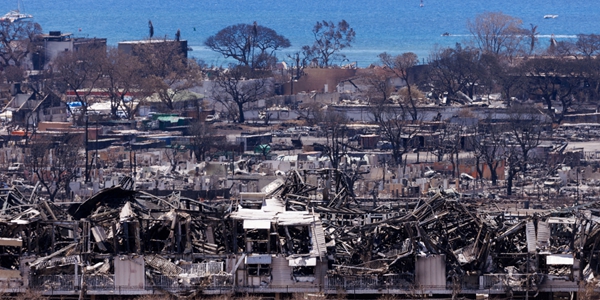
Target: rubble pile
x: 474, y: 240
x: 60, y: 245
x: 286, y: 235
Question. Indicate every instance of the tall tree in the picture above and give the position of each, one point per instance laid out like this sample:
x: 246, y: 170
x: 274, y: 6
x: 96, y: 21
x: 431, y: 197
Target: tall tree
x: 252, y: 45
x: 489, y: 147
x: 446, y: 142
x: 380, y: 88
x: 330, y: 39
x: 524, y: 130
x: 334, y: 125
x: 593, y: 79
x: 312, y: 112
x: 167, y: 71
x: 552, y: 79
x: 456, y: 72
x: 588, y: 45
x: 17, y: 40
x: 300, y: 60
x: 400, y: 66
x: 203, y: 139
x: 496, y: 33
x: 121, y: 80
x: 53, y: 161
x: 233, y: 91
x: 79, y: 72
x: 506, y: 76
x: 395, y: 127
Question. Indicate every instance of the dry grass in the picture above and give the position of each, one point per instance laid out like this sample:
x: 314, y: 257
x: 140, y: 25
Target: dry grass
x: 389, y: 297
x: 30, y: 295
x: 227, y: 297
x: 587, y: 291
x: 155, y: 297
x: 307, y: 296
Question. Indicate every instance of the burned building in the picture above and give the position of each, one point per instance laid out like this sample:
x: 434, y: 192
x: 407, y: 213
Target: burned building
x: 288, y: 238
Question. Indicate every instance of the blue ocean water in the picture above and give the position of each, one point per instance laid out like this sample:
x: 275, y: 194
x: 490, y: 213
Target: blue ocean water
x: 394, y: 26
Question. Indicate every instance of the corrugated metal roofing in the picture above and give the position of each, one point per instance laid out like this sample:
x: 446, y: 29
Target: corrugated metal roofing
x: 556, y: 220
x: 291, y: 218
x: 302, y: 261
x: 559, y: 259
x: 257, y: 224
x: 531, y: 237
x: 543, y: 235
x: 256, y: 259
x: 318, y: 239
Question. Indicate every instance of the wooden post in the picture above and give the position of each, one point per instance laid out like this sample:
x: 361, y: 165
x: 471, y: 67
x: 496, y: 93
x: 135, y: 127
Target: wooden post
x: 126, y: 232
x: 115, y: 244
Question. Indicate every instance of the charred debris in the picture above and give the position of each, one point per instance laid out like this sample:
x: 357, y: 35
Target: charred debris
x: 285, y: 239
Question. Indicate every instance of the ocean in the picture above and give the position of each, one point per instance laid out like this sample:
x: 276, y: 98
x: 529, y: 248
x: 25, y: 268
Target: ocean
x: 394, y: 26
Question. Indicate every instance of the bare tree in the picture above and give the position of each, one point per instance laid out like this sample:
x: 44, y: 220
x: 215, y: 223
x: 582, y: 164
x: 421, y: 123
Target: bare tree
x: 592, y: 82
x: 507, y: 77
x: 330, y: 39
x: 79, y: 72
x: 334, y: 125
x: 167, y: 72
x: 561, y: 48
x: 203, y: 139
x: 17, y: 40
x: 234, y: 91
x: 400, y: 66
x: 311, y: 112
x: 380, y: 88
x: 496, y: 33
x: 396, y: 128
x: 552, y: 79
x: 455, y: 72
x: 14, y: 74
x: 301, y: 60
x: 588, y: 45
x: 446, y: 143
x: 489, y: 147
x: 122, y: 80
x: 252, y: 45
x: 174, y: 154
x: 53, y: 161
x: 524, y: 130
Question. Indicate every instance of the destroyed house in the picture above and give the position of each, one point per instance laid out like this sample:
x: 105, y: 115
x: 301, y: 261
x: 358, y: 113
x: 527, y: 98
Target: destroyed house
x: 275, y: 244
x: 31, y: 109
x: 288, y: 238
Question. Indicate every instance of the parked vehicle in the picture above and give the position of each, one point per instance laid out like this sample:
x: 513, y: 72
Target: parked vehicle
x: 553, y: 182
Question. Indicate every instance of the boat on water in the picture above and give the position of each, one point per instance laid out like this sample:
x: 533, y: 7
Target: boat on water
x: 15, y: 15
x: 550, y: 16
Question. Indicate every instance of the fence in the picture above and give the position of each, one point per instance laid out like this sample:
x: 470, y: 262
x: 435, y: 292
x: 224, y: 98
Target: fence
x: 203, y: 269
x: 99, y: 282
x: 223, y: 283
x: 360, y: 282
x: 53, y: 282
x: 70, y: 283
x: 168, y: 283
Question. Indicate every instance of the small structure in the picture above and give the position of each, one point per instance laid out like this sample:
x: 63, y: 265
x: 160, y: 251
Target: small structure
x: 56, y: 42
x: 133, y: 47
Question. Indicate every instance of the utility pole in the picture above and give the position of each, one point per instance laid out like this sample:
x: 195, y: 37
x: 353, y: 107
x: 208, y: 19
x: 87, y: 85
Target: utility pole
x: 252, y: 43
x: 96, y: 154
x: 87, y: 170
